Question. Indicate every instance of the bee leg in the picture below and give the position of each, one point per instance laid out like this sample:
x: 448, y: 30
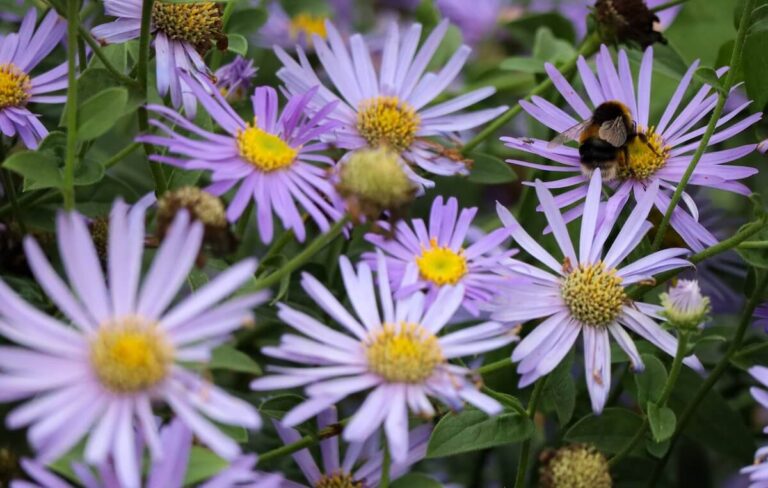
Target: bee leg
x: 644, y: 139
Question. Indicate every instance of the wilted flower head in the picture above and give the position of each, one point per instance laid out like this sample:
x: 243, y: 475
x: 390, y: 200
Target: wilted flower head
x: 373, y: 181
x: 388, y: 106
x: 684, y: 305
x: 20, y: 53
x: 574, y: 466
x: 96, y: 373
x: 235, y: 79
x: 627, y: 21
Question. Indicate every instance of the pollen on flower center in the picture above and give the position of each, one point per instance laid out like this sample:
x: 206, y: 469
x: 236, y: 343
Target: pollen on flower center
x: 199, y: 24
x: 338, y: 479
x: 307, y: 25
x: 264, y: 150
x: 593, y: 294
x: 403, y: 353
x: 387, y: 121
x: 441, y: 265
x: 130, y: 355
x: 15, y: 86
x: 647, y: 155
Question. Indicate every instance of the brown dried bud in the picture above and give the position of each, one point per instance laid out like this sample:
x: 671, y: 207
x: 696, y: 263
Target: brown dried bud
x: 574, y: 466
x: 627, y: 21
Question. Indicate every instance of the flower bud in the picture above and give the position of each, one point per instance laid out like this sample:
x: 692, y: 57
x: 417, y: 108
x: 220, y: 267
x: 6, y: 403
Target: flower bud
x: 203, y: 207
x: 625, y: 21
x: 574, y: 466
x: 684, y: 305
x: 374, y: 180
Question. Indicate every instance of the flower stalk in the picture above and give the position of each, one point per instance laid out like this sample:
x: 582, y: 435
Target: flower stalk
x: 68, y: 188
x: 525, y: 450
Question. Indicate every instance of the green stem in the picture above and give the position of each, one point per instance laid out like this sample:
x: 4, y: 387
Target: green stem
x: 690, y: 408
x: 68, y: 188
x: 525, y: 450
x: 730, y: 79
x: 494, y: 366
x: 300, y: 259
x: 588, y: 47
x: 674, y: 372
x: 754, y: 245
x: 385, y: 465
x: 10, y: 190
x: 304, y: 442
x: 121, y: 154
x: 161, y: 185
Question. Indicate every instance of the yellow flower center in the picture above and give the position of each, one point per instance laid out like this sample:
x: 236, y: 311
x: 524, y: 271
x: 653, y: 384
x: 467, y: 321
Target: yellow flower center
x: 647, y: 155
x: 387, y: 121
x: 130, y: 355
x: 14, y: 86
x: 441, y: 265
x: 199, y: 24
x: 338, y: 479
x: 307, y: 25
x: 265, y: 151
x: 593, y: 294
x: 577, y: 466
x: 403, y: 353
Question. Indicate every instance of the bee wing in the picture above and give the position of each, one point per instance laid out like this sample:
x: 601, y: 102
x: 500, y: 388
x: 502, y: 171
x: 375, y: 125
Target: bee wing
x: 614, y: 132
x: 571, y: 134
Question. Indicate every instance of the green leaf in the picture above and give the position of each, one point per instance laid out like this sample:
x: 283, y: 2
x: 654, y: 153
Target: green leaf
x: 416, y: 480
x: 610, y: 431
x: 228, y: 358
x: 237, y: 44
x: 559, y: 394
x: 100, y: 112
x: 651, y: 381
x: 472, y: 430
x: 526, y: 26
x: 247, y: 21
x: 202, y: 465
x: 657, y: 449
x: 709, y: 76
x: 239, y: 434
x: 662, y: 421
x: 525, y: 65
x: 490, y: 170
x: 42, y: 168
x: 755, y: 68
x: 277, y: 406
x: 714, y: 423
x: 546, y: 47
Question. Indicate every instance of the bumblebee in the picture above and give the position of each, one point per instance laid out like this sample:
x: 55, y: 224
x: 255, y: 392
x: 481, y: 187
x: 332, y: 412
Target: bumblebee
x: 604, y: 139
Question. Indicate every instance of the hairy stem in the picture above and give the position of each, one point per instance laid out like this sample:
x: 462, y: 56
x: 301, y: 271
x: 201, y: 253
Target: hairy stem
x: 730, y: 79
x: 68, y: 188
x: 385, y: 465
x: 715, y: 375
x: 525, y: 450
x: 304, y: 442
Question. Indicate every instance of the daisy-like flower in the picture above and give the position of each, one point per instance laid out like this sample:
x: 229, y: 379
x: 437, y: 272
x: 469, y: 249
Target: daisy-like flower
x: 183, y: 33
x: 272, y: 161
x: 299, y: 29
x: 235, y: 79
x: 19, y: 54
x: 361, y: 465
x: 671, y: 141
x: 96, y: 373
x: 389, y: 107
x: 585, y: 292
x: 168, y: 472
x: 395, y: 351
x: 438, y: 255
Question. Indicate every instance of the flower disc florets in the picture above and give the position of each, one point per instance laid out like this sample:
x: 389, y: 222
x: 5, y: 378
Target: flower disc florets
x: 305, y: 25
x: 199, y: 24
x: 130, y: 355
x: 647, y: 155
x: 387, y: 121
x: 575, y: 466
x: 403, y: 353
x: 441, y: 264
x: 593, y: 294
x: 338, y: 479
x: 15, y: 86
x: 263, y: 150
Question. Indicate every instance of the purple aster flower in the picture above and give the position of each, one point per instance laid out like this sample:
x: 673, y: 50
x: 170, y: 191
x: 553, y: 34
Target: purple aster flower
x: 97, y: 374
x: 286, y: 31
x: 183, y: 33
x: 168, y: 472
x: 396, y: 353
x: 273, y: 161
x: 585, y: 292
x: 438, y: 257
x: 671, y: 141
x: 235, y: 79
x: 390, y: 107
x: 477, y: 19
x: 361, y: 465
x: 19, y: 54
x: 758, y: 472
